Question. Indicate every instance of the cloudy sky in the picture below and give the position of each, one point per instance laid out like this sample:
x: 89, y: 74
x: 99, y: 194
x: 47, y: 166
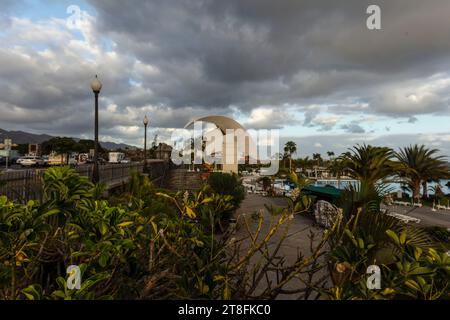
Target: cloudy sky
x: 310, y: 68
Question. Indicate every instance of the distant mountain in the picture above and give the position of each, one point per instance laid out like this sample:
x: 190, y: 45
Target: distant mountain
x: 115, y: 146
x: 21, y: 137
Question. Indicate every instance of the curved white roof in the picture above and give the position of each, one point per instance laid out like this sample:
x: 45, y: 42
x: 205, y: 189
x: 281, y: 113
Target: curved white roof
x: 222, y: 122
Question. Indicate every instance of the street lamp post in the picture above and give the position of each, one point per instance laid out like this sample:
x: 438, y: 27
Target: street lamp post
x: 96, y: 86
x: 146, y: 121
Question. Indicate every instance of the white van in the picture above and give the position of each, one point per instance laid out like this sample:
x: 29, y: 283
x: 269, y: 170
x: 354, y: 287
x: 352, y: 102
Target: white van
x: 116, y: 157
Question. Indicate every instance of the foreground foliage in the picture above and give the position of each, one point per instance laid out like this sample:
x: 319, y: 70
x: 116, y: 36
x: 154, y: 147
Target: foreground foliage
x: 413, y: 263
x: 148, y: 243
x: 144, y: 244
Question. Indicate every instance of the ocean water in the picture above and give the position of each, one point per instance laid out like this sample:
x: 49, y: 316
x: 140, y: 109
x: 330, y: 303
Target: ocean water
x: 397, y: 187
x: 392, y: 187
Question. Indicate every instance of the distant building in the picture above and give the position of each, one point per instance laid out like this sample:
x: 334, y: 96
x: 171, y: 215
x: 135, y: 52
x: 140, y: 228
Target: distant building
x: 6, y: 151
x: 315, y: 172
x: 163, y: 151
x: 230, y: 151
x: 34, y: 150
x: 9, y: 153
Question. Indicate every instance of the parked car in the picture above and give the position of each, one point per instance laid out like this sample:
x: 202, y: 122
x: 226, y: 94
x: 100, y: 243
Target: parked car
x: 45, y: 158
x: 19, y: 161
x: 32, y: 162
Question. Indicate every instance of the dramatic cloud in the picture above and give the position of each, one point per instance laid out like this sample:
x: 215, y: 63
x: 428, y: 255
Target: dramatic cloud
x: 270, y: 118
x: 353, y: 128
x: 249, y: 53
x: 306, y: 65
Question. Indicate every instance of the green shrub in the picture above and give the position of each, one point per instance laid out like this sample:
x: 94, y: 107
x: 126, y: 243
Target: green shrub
x: 416, y: 271
x: 227, y: 184
x: 439, y: 233
x: 413, y: 266
x: 148, y: 246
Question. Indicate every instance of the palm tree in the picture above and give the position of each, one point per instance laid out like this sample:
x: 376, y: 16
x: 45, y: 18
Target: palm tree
x: 318, y: 158
x: 368, y: 164
x: 289, y: 149
x: 266, y: 183
x: 437, y: 170
x: 303, y: 162
x: 437, y: 190
x: 337, y: 168
x: 419, y: 165
x: 330, y: 154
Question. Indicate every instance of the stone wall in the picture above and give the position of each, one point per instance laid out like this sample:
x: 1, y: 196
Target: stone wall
x: 182, y: 180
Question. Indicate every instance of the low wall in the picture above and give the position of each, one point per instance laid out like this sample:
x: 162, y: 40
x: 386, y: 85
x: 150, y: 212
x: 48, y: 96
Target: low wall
x: 25, y: 185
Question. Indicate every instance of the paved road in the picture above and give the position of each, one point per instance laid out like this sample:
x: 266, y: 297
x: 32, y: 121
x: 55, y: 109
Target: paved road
x: 16, y: 167
x: 426, y: 215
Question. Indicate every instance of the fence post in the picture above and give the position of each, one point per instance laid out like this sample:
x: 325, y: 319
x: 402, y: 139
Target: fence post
x: 27, y: 186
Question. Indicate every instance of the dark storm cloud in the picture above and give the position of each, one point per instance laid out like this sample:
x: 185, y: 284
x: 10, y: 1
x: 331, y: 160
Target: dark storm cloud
x: 182, y: 59
x: 218, y: 53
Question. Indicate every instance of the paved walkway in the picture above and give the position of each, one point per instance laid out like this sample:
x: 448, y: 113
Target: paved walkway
x: 299, y: 228
x: 425, y: 214
x: 297, y: 240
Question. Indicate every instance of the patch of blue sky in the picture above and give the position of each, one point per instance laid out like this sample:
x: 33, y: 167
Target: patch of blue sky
x: 371, y: 124
x: 134, y: 83
x: 422, y: 124
x: 107, y: 44
x: 44, y: 10
x: 36, y: 10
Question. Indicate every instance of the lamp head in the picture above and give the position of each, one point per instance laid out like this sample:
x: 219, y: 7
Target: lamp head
x: 96, y: 85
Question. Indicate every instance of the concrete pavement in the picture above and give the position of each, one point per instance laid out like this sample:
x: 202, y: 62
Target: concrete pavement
x: 299, y: 228
x: 425, y: 214
x: 296, y: 242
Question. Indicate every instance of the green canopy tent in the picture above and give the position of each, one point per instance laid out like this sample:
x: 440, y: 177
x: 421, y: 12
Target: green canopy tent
x: 327, y: 193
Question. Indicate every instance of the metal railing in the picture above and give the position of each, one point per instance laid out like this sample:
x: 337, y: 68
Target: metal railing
x: 22, y: 185
x: 110, y: 173
x: 25, y: 185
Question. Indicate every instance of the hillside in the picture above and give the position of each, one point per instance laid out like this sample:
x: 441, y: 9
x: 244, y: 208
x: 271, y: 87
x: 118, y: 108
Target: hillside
x: 21, y: 137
